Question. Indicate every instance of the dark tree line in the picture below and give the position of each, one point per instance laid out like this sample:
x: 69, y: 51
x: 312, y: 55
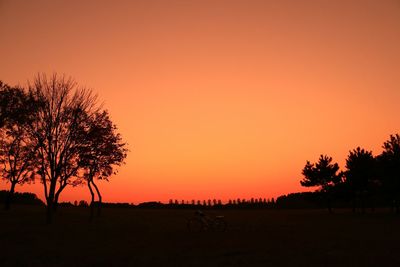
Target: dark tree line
x: 22, y: 198
x: 54, y: 131
x: 366, y: 180
x: 217, y: 203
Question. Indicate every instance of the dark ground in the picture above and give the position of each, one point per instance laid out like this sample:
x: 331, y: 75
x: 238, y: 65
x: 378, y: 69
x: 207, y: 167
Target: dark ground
x: 137, y: 237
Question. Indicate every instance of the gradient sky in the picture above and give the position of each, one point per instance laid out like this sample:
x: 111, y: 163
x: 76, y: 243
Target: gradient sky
x: 217, y: 99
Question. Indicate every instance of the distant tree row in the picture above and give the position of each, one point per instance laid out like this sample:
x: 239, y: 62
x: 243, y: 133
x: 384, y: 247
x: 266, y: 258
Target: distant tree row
x: 366, y: 179
x: 54, y: 131
x: 215, y: 202
x: 210, y: 204
x: 179, y: 205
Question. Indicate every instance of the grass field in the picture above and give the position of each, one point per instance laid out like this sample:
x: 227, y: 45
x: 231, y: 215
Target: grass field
x: 137, y: 237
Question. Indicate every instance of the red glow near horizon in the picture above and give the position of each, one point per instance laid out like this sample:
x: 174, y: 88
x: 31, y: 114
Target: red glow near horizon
x: 217, y: 99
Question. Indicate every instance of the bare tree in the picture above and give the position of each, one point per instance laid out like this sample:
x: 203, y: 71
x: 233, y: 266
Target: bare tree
x: 16, y: 150
x: 103, y: 150
x: 62, y: 111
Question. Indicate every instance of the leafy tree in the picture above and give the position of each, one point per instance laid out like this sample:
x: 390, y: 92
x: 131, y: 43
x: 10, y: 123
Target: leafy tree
x: 17, y: 153
x: 14, y: 105
x: 323, y: 174
x: 389, y: 169
x: 62, y: 109
x: 360, y: 174
x: 103, y: 150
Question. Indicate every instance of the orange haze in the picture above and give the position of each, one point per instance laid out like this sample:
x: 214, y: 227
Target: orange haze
x: 221, y: 98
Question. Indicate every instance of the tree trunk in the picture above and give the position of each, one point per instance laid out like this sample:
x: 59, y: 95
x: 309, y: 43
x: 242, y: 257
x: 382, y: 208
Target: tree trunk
x: 99, y: 203
x: 57, y: 196
x: 50, y: 203
x: 49, y: 211
x: 55, y: 203
x: 91, y: 202
x: 9, y: 196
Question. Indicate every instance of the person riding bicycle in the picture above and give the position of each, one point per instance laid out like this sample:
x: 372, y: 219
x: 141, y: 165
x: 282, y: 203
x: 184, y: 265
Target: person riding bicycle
x: 201, y: 222
x: 199, y: 213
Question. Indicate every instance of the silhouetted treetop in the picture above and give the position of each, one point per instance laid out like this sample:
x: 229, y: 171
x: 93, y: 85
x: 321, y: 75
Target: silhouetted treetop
x: 391, y: 147
x: 389, y: 169
x: 360, y: 165
x: 323, y: 173
x: 15, y: 105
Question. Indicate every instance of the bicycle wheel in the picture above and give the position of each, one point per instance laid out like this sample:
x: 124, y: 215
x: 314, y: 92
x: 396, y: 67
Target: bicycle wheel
x: 220, y: 225
x: 195, y: 225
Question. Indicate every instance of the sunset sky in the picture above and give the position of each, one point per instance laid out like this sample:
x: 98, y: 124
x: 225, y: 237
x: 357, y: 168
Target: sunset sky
x: 217, y: 99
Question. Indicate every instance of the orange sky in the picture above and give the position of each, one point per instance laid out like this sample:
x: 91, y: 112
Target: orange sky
x: 217, y: 99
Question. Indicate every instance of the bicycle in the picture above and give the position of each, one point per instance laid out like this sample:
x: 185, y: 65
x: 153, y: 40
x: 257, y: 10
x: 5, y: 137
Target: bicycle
x: 201, y: 222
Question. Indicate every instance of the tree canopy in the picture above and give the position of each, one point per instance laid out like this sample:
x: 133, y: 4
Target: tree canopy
x: 366, y: 178
x: 102, y: 151
x: 323, y: 173
x: 17, y: 151
x: 55, y: 131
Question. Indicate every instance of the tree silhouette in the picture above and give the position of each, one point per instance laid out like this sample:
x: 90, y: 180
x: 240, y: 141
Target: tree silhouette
x: 15, y: 105
x: 323, y: 174
x: 360, y: 174
x: 102, y: 151
x: 389, y: 169
x: 16, y: 150
x: 62, y: 111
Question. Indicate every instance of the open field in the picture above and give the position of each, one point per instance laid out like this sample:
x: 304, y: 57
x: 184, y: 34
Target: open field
x: 137, y: 237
